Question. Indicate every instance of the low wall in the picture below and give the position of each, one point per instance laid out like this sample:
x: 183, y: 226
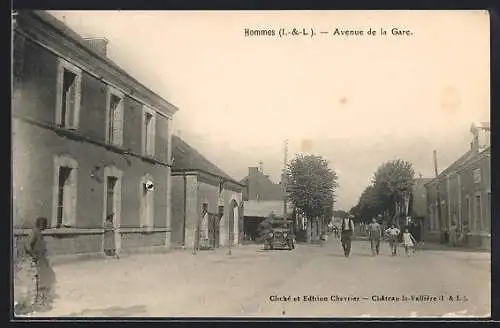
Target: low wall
x: 473, y: 240
x: 77, y: 244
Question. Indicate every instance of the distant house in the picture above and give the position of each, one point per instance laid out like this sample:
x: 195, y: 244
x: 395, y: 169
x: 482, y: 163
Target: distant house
x: 260, y: 187
x: 257, y: 211
x: 464, y: 193
x: 418, y: 201
x: 199, y: 185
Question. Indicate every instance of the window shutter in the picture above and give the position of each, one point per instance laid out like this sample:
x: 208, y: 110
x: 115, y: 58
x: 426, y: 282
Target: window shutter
x: 151, y: 137
x: 118, y: 124
x: 70, y: 105
x: 151, y: 210
x: 108, y: 116
x: 144, y: 205
x: 76, y: 101
x: 118, y: 203
x: 59, y: 93
x: 69, y: 200
x: 74, y: 197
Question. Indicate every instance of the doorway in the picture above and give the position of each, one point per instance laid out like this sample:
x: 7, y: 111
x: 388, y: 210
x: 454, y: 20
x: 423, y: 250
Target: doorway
x: 112, y: 203
x: 214, y: 230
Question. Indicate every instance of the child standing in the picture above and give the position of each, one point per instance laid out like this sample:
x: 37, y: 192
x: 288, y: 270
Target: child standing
x: 408, y: 242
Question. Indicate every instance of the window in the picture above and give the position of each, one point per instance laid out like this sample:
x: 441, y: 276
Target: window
x: 478, y: 216
x: 488, y: 218
x: 110, y: 195
x: 148, y: 132
x: 467, y: 210
x: 64, y: 192
x: 431, y: 218
x: 114, y: 117
x: 69, y: 82
x: 147, y: 203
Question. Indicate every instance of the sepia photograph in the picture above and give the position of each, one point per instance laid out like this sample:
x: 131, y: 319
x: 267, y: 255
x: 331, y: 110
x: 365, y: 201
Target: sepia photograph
x: 251, y: 164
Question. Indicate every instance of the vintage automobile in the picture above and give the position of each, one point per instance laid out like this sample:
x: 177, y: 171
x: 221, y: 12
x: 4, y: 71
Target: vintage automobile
x: 280, y: 235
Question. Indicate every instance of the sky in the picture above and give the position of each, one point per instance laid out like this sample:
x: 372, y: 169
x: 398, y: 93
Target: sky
x: 358, y: 101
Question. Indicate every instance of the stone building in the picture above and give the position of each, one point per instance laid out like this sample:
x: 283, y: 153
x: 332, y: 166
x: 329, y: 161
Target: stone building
x: 199, y: 187
x: 89, y: 141
x: 418, y: 204
x: 260, y: 187
x: 464, y: 196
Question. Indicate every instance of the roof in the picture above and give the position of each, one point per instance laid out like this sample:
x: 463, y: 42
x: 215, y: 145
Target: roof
x: 62, y: 28
x: 481, y: 125
x: 470, y: 154
x: 186, y: 158
x: 420, y: 182
x: 263, y: 208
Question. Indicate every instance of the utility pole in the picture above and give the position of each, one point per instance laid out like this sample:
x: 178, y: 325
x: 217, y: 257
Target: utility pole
x: 438, y: 196
x: 284, y: 180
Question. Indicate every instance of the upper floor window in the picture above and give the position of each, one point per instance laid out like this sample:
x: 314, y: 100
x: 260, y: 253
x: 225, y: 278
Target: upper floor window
x: 69, y: 85
x: 148, y: 131
x: 114, y: 117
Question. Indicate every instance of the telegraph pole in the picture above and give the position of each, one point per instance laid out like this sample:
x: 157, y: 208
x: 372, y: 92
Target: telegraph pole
x: 284, y: 179
x: 438, y: 196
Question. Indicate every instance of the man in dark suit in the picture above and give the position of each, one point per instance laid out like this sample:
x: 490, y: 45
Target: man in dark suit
x: 347, y: 230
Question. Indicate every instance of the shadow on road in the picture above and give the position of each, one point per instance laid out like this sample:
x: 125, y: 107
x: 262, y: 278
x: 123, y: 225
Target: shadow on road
x: 362, y: 254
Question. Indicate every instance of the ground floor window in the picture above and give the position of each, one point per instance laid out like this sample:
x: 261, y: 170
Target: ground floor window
x: 477, y: 213
x: 64, y: 192
x: 147, y: 202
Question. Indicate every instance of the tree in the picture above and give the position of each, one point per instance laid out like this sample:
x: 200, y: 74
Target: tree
x: 369, y: 204
x: 393, y: 183
x: 312, y: 186
x: 340, y: 214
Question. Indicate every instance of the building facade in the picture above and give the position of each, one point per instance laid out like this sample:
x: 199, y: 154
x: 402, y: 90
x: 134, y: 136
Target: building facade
x: 418, y: 204
x: 89, y: 141
x: 207, y: 204
x: 260, y: 187
x: 461, y: 194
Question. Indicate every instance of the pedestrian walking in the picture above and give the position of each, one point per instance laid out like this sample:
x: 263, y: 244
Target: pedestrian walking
x: 109, y: 237
x: 374, y: 234
x: 393, y: 233
x: 347, y: 229
x: 336, y: 232
x: 409, y: 242
x: 43, y: 277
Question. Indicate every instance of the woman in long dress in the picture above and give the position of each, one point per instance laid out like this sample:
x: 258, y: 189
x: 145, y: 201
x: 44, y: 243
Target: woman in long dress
x: 109, y: 237
x: 43, y: 289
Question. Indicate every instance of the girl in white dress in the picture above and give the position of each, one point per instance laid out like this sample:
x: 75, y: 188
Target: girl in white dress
x: 408, y: 242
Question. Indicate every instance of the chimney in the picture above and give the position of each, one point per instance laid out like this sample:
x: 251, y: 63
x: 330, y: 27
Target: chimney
x: 99, y: 45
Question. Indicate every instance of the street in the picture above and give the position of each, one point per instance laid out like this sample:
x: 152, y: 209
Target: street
x: 213, y: 283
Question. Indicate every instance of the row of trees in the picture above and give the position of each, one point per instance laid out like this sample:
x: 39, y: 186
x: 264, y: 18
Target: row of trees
x: 389, y: 192
x: 311, y: 186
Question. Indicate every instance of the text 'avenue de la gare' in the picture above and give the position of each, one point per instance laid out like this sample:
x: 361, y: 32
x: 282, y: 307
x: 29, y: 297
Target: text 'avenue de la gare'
x: 373, y: 298
x: 336, y: 32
